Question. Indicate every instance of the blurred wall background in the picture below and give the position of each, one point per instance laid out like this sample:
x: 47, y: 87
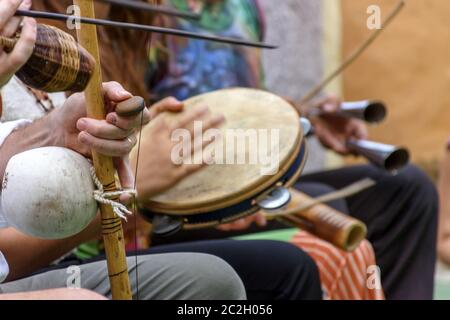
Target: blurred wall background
x: 409, y: 68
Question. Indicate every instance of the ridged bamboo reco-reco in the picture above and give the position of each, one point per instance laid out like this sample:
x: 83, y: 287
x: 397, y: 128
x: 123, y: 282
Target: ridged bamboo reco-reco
x: 58, y: 63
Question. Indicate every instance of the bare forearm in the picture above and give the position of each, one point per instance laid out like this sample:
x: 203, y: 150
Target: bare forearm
x: 34, y: 254
x: 54, y: 294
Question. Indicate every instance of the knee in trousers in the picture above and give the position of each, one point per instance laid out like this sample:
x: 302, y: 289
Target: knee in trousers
x: 414, y: 179
x: 225, y: 284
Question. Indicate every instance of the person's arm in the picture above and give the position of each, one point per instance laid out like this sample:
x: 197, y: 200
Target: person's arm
x: 54, y: 294
x: 23, y: 253
x: 12, y: 61
x: 26, y: 254
x: 333, y: 131
x: 157, y: 171
x: 65, y: 127
x: 444, y: 195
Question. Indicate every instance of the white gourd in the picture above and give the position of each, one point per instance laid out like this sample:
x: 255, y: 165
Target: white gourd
x: 48, y: 193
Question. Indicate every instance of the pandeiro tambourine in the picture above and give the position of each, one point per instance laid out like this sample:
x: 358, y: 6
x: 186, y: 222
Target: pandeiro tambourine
x: 226, y: 191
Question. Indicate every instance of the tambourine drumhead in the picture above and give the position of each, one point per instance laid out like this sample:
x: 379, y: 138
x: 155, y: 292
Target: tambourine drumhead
x: 220, y: 186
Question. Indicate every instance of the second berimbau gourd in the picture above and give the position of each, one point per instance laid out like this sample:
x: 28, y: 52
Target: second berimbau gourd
x: 58, y: 63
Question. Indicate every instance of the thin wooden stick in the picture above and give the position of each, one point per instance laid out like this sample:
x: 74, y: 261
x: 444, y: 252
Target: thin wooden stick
x: 351, y: 190
x: 140, y: 27
x: 355, y: 55
x: 111, y: 224
x: 143, y: 6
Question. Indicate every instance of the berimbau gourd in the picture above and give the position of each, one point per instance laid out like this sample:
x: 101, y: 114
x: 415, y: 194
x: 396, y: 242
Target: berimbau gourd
x: 58, y: 63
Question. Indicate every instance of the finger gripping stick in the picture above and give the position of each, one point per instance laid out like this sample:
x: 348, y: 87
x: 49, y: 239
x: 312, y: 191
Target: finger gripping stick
x: 130, y: 107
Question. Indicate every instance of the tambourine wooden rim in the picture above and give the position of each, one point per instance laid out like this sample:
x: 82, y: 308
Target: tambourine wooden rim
x: 248, y: 206
x: 244, y: 208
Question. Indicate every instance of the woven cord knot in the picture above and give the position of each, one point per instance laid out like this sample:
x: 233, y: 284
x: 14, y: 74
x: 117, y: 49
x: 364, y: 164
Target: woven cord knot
x: 105, y: 197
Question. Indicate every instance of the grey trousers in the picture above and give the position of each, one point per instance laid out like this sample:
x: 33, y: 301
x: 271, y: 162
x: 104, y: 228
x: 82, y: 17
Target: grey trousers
x: 174, y: 276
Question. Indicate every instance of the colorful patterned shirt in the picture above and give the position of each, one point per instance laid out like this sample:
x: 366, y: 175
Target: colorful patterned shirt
x: 185, y: 67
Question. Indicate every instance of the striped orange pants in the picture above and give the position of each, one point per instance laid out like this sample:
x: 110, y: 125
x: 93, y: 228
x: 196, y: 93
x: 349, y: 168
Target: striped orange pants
x: 344, y: 275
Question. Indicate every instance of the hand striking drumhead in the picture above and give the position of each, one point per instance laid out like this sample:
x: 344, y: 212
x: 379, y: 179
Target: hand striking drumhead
x: 260, y: 140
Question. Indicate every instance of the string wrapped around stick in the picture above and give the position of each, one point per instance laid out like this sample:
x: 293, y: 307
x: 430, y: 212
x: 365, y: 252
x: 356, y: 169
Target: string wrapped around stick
x: 58, y: 63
